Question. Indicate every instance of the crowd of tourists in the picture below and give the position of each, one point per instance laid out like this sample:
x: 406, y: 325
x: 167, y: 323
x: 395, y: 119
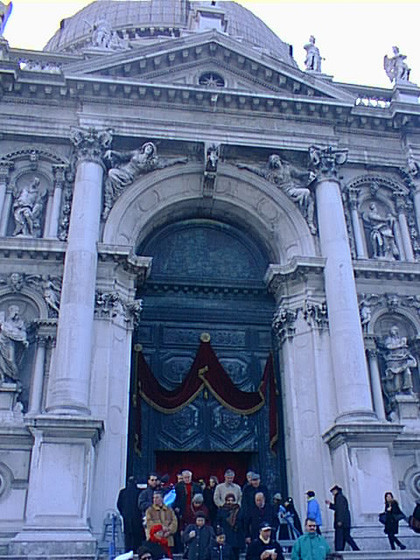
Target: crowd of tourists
x: 218, y: 521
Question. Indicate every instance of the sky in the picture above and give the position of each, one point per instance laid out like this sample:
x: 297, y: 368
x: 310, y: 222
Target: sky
x: 353, y: 37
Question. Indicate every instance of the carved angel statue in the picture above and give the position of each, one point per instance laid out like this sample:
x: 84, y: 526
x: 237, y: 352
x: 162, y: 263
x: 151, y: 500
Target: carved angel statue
x: 382, y: 234
x: 398, y: 360
x: 28, y: 206
x: 13, y: 341
x: 396, y: 68
x: 294, y: 183
x: 125, y: 167
x: 313, y: 57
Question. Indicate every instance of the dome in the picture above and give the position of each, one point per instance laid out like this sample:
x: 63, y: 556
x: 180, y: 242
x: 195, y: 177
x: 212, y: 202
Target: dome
x: 140, y: 20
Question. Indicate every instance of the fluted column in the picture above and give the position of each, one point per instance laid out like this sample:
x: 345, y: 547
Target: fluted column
x: 355, y: 222
x: 375, y: 377
x: 405, y: 234
x: 5, y: 167
x: 38, y: 376
x: 347, y: 347
x: 59, y: 173
x: 70, y: 372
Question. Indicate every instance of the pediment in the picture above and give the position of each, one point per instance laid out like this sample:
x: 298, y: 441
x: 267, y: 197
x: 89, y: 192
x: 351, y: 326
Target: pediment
x: 184, y: 61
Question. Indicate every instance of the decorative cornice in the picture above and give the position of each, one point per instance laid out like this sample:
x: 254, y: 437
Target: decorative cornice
x: 355, y: 433
x: 296, y: 268
x: 386, y: 270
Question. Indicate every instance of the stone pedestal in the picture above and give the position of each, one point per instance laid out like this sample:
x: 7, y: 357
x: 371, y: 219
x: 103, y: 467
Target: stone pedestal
x: 407, y: 410
x: 63, y: 458
x: 10, y: 408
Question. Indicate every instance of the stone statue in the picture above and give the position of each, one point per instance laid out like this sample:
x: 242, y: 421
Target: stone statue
x: 382, y: 234
x: 396, y: 68
x: 313, y: 58
x: 5, y: 11
x: 125, y: 167
x: 13, y: 341
x: 104, y: 37
x: 52, y: 293
x: 294, y: 183
x: 398, y: 361
x: 27, y: 209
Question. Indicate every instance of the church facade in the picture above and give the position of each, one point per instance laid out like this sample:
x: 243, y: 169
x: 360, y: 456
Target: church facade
x: 171, y: 180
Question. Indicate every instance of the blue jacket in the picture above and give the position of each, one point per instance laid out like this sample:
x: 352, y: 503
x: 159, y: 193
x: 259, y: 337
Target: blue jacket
x: 314, y: 511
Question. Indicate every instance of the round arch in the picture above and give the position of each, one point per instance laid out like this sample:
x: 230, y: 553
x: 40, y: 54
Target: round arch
x: 241, y: 199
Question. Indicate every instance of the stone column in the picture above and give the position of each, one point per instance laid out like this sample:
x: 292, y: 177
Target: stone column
x: 7, y: 204
x: 5, y: 167
x: 347, y: 347
x: 375, y: 377
x: 59, y: 177
x: 70, y: 372
x: 38, y: 376
x: 402, y: 220
x: 355, y: 222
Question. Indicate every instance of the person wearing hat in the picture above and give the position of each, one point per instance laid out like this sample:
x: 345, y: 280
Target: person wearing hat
x: 227, y: 487
x: 229, y: 520
x: 310, y: 546
x: 265, y: 547
x: 220, y: 549
x: 198, y: 538
x: 313, y: 510
x: 342, y: 520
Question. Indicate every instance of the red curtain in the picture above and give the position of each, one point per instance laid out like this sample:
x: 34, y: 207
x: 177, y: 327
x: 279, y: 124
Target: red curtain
x: 206, y: 371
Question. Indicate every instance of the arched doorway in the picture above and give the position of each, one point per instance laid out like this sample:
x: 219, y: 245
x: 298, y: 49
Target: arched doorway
x: 207, y: 276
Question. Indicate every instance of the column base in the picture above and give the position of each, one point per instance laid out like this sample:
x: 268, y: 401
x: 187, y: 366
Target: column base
x: 67, y: 543
x: 356, y: 416
x: 11, y: 410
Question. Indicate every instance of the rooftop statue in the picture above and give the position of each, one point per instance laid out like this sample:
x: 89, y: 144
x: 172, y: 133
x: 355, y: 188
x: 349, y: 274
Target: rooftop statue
x: 104, y: 37
x: 396, y: 68
x: 313, y: 58
x: 5, y: 11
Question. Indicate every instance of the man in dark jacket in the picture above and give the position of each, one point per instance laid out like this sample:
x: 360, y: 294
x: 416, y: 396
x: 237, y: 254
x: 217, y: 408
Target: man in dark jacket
x: 127, y: 506
x: 342, y: 520
x: 265, y: 547
x: 257, y: 514
x: 198, y: 538
x: 146, y: 496
x: 185, y: 491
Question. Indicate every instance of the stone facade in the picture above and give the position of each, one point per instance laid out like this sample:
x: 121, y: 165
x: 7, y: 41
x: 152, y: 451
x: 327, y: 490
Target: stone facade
x: 112, y: 135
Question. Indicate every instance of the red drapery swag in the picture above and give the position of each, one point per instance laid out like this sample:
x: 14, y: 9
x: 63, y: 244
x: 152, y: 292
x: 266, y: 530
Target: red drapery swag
x: 205, y: 372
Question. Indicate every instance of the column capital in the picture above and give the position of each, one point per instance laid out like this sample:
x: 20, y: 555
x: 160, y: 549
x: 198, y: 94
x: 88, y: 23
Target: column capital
x: 284, y: 323
x: 90, y: 143
x: 325, y: 162
x: 6, y: 165
x: 400, y: 202
x: 59, y: 174
x: 353, y: 194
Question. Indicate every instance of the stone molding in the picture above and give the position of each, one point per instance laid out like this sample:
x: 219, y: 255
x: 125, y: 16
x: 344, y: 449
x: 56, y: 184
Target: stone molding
x: 362, y: 433
x: 298, y: 268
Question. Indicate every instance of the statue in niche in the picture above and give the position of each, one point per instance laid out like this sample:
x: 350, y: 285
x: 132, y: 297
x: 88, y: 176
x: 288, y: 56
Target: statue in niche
x: 13, y: 341
x: 294, y: 183
x: 28, y: 207
x: 382, y: 234
x: 396, y: 68
x: 398, y: 361
x: 125, y: 167
x: 52, y: 293
x: 313, y: 58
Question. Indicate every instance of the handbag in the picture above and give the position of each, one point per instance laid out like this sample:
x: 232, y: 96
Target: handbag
x: 399, y: 516
x: 414, y: 524
x: 382, y: 518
